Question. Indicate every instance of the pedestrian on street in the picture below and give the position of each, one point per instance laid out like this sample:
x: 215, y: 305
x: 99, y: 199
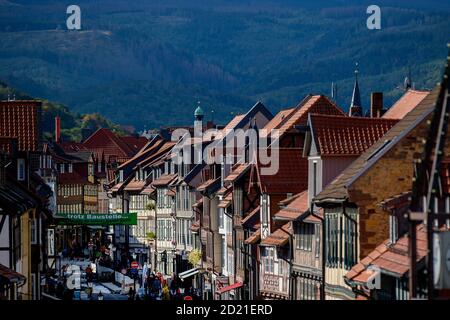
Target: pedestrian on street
x: 90, y: 280
x: 91, y: 249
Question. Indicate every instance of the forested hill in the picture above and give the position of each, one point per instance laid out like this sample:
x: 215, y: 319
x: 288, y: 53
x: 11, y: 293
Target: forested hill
x: 71, y: 123
x: 147, y: 63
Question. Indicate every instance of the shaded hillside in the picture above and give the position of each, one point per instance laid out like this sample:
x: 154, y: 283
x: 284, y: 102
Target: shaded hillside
x: 147, y: 63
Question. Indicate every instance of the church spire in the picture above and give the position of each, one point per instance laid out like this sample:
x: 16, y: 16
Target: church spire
x: 355, y: 106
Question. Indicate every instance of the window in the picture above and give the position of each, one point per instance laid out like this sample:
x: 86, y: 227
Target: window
x: 21, y: 169
x: 61, y: 168
x: 70, y: 168
x: 269, y: 260
x: 33, y: 224
x: 265, y: 210
x: 99, y: 169
x: 120, y: 175
x: 393, y: 228
x: 315, y: 178
x: 304, y: 238
x: 224, y: 251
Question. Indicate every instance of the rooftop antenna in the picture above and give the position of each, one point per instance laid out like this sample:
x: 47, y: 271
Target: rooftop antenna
x: 333, y: 91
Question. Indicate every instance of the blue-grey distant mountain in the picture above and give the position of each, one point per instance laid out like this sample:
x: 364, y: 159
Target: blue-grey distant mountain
x: 147, y: 63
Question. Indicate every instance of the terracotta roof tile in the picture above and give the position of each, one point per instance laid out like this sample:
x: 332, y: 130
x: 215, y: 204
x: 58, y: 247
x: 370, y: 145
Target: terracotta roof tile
x: 106, y: 142
x: 134, y: 185
x: 311, y: 104
x: 408, y: 101
x: 279, y: 237
x: 296, y: 208
x: 347, y: 136
x: 291, y: 176
x: 148, y: 190
x: 337, y: 189
x: 19, y: 119
x: 135, y: 142
x: 237, y: 172
x: 164, y: 180
x: 205, y: 185
x: 254, y: 238
x: 392, y: 258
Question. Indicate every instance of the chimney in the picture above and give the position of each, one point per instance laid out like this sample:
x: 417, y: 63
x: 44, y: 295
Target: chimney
x: 376, y: 104
x: 57, y: 129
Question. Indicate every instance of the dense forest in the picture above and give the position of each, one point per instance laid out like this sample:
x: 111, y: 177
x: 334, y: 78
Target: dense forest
x: 147, y: 63
x: 72, y: 124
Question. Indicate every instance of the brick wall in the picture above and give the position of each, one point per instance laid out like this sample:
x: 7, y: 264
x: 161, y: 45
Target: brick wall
x: 391, y: 175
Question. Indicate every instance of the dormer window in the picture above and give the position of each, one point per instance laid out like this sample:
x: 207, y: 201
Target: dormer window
x: 120, y: 175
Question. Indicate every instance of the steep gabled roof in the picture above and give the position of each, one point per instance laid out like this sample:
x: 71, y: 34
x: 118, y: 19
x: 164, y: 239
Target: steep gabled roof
x: 311, y: 104
x: 337, y: 190
x: 346, y: 136
x: 136, y: 143
x: 408, y: 101
x: 104, y: 141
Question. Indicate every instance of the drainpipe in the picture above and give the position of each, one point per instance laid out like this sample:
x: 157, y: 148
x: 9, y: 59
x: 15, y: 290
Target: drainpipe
x: 324, y: 238
x: 291, y: 257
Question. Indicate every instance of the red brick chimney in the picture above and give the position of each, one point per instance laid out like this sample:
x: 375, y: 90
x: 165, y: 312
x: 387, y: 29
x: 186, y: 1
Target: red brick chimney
x: 376, y: 104
x: 57, y: 129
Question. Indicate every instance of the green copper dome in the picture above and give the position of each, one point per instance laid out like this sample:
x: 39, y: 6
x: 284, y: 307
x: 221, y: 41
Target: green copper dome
x: 198, y: 112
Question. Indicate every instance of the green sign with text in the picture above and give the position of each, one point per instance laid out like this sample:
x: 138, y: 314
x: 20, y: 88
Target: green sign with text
x: 96, y: 219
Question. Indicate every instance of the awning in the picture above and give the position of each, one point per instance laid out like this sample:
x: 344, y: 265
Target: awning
x: 189, y: 273
x: 11, y: 276
x: 230, y: 287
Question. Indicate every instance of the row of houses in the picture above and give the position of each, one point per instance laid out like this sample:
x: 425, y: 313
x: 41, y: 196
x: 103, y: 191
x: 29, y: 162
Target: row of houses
x: 41, y: 180
x: 324, y: 223
x: 309, y: 203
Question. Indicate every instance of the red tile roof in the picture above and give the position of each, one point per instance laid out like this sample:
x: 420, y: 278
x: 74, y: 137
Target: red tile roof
x: 226, y: 202
x: 237, y: 172
x: 291, y: 176
x: 206, y: 184
x: 347, y: 136
x: 405, y: 104
x: 337, y: 189
x: 134, y: 185
x: 311, y: 104
x: 19, y: 119
x: 254, y: 238
x: 135, y: 142
x: 104, y: 141
x: 148, y: 190
x: 279, y: 237
x: 8, y: 145
x: 276, y: 121
x: 164, y: 180
x: 392, y: 258
x: 296, y: 208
